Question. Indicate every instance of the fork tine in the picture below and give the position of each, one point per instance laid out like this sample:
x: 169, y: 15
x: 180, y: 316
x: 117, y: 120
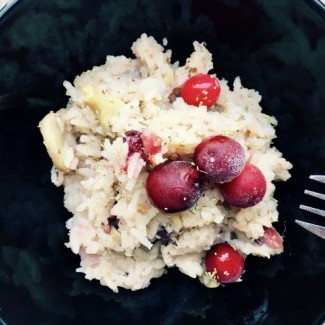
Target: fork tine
x: 315, y: 229
x: 318, y: 178
x: 315, y: 194
x: 312, y: 210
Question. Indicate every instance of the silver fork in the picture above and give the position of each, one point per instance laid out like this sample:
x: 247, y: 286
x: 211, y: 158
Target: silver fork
x: 315, y: 229
x: 5, y: 5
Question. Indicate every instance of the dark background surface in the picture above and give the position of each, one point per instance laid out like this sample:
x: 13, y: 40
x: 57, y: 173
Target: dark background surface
x: 277, y: 47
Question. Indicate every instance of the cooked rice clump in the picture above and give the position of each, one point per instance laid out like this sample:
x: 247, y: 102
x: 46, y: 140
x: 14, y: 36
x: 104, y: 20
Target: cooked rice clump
x: 87, y: 146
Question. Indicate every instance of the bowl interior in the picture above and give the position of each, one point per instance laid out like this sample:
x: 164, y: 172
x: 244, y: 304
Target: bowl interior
x: 276, y: 48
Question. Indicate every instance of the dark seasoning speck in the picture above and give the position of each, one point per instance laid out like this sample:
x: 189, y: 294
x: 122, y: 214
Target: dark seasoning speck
x: 114, y: 221
x: 166, y: 237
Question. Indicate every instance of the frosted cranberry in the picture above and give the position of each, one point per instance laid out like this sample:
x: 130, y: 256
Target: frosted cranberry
x: 220, y: 158
x: 225, y: 263
x: 247, y: 189
x: 174, y: 185
x: 201, y: 89
x: 272, y: 239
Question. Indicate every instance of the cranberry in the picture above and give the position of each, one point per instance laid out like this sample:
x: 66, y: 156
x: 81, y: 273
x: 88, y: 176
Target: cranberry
x: 201, y: 89
x: 245, y: 190
x: 146, y: 144
x: 135, y: 143
x: 174, y: 185
x: 220, y: 158
x: 225, y: 263
x: 272, y: 239
x: 151, y: 143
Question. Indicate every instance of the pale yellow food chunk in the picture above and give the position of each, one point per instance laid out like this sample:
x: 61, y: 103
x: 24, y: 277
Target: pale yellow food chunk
x: 105, y: 106
x: 53, y: 138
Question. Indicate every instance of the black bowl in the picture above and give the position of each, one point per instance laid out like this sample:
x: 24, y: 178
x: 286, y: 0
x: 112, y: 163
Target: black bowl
x: 277, y: 47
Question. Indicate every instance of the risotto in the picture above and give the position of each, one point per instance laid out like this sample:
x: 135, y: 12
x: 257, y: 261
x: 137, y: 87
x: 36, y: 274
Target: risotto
x: 164, y: 166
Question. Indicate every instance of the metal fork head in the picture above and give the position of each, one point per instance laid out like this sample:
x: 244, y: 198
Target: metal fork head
x: 313, y: 228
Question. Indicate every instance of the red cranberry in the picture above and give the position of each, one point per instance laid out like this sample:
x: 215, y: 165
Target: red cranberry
x: 247, y: 189
x: 220, y: 158
x: 225, y: 262
x: 201, y: 89
x: 272, y: 239
x: 174, y: 185
x: 135, y: 143
x: 151, y: 143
